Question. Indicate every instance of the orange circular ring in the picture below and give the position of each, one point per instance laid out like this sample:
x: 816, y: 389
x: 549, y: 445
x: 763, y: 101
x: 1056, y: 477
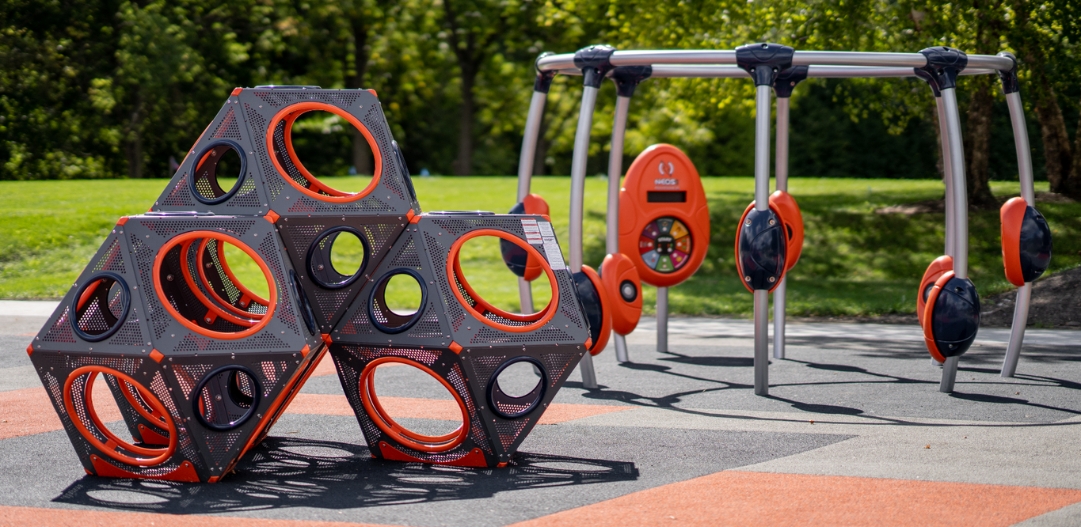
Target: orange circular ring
x: 236, y: 282
x: 370, y: 385
x: 489, y: 307
x: 273, y: 302
x: 452, y: 258
x: 109, y: 448
x: 390, y: 427
x: 290, y: 114
x: 137, y: 405
x: 195, y: 290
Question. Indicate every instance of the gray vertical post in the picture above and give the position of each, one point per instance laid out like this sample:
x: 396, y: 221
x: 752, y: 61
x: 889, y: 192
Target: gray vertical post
x: 1028, y: 192
x: 783, y: 85
x: 780, y: 164
x: 594, y: 63
x: 763, y: 61
x: 530, y: 136
x: 761, y: 203
x: 615, y: 172
x: 662, y: 319
x: 947, y: 172
x: 626, y: 79
x: 960, y: 204
x: 578, y: 185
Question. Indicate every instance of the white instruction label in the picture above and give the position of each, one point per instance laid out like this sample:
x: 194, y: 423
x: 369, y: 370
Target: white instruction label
x: 532, y: 232
x: 551, y: 248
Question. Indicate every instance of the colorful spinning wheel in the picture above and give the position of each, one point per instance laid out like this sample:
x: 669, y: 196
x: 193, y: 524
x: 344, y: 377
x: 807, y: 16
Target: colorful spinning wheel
x: 665, y: 245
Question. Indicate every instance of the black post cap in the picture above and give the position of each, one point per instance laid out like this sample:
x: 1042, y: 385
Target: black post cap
x: 544, y: 78
x: 787, y: 80
x: 627, y: 78
x: 944, y: 65
x: 594, y: 61
x: 764, y: 61
x: 1010, y: 84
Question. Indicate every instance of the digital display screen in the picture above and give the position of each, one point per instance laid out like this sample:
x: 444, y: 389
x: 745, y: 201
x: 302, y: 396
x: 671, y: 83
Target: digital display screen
x: 666, y: 196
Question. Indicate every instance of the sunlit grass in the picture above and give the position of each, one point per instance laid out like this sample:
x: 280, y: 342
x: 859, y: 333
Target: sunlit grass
x: 854, y: 262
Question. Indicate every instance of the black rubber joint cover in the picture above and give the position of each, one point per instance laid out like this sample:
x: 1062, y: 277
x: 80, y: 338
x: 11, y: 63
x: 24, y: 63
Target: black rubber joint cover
x: 956, y: 317
x: 944, y: 65
x: 595, y: 63
x: 1010, y: 84
x: 787, y: 80
x: 764, y: 61
x: 1035, y: 241
x: 628, y: 78
x: 544, y: 78
x: 762, y: 249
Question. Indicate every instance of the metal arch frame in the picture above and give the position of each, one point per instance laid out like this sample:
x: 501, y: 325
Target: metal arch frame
x: 821, y: 64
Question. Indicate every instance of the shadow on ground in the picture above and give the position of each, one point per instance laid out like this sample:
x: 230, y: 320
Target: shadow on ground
x: 287, y: 472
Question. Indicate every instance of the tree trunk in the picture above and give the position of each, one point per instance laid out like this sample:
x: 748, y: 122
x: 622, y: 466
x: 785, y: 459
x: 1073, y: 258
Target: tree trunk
x: 1073, y: 182
x: 988, y: 29
x: 362, y: 151
x: 1056, y: 141
x: 978, y: 147
x: 463, y: 166
x: 133, y: 146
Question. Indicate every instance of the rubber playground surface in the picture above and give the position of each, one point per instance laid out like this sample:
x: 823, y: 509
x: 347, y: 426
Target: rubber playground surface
x: 854, y: 432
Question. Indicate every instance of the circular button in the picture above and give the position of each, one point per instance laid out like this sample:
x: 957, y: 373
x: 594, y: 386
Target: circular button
x: 628, y: 291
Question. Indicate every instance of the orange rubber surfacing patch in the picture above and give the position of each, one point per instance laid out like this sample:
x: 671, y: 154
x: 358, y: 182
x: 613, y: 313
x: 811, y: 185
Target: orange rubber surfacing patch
x: 755, y: 498
x: 289, y: 114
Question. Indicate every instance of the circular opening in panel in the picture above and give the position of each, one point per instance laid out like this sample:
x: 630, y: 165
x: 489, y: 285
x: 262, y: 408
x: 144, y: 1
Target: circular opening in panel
x: 475, y: 277
x: 337, y: 257
x: 100, y: 306
x: 219, y: 166
x: 226, y: 398
x: 230, y: 277
x: 324, y: 135
x: 385, y: 420
x: 201, y: 254
x: 517, y: 387
x: 397, y: 301
x: 79, y: 402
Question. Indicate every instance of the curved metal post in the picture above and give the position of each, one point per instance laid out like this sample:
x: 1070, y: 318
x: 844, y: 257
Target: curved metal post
x: 1028, y: 192
x: 960, y: 204
x: 578, y: 189
x: 947, y: 177
x: 525, y: 175
x: 615, y: 172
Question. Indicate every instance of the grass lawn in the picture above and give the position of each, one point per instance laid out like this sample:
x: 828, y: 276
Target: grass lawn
x: 854, y: 262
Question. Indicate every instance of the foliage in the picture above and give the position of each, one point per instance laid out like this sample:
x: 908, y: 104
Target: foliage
x: 116, y: 88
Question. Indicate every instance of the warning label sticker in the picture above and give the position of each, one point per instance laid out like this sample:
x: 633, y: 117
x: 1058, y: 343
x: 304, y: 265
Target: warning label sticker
x: 551, y: 248
x: 532, y: 232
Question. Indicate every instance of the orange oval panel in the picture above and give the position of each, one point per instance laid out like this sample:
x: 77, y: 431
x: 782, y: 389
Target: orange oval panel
x: 663, y: 216
x: 621, y: 281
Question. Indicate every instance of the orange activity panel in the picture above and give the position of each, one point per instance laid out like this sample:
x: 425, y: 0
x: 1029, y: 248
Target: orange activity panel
x: 662, y: 211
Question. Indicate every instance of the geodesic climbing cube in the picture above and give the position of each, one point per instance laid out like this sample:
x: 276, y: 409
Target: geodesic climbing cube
x: 460, y: 339
x: 199, y: 364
